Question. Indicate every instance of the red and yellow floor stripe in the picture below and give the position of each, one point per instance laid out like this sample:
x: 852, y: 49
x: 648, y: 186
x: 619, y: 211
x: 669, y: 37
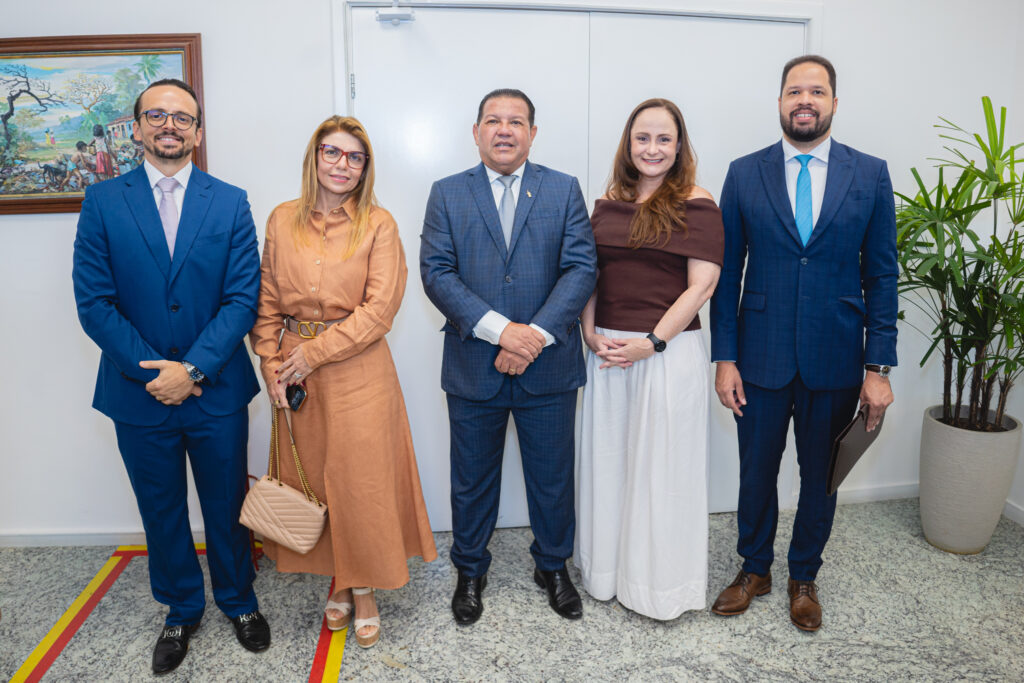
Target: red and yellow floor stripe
x: 326, y: 660
x: 329, y: 650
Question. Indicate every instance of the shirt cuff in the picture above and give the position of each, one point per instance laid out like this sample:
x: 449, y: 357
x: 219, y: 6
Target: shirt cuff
x: 548, y: 339
x: 490, y: 327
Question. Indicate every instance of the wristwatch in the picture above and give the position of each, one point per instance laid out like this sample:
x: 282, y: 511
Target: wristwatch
x: 194, y: 373
x: 659, y: 344
x: 882, y: 370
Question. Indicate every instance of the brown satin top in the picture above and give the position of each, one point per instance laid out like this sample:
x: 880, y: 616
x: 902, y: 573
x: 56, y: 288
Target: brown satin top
x: 636, y: 286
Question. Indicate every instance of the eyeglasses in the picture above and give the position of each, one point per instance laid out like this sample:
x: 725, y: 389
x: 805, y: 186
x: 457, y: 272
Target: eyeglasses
x: 182, y: 121
x: 332, y: 155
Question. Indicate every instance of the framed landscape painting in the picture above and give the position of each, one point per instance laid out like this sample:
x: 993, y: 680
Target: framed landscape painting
x: 67, y: 109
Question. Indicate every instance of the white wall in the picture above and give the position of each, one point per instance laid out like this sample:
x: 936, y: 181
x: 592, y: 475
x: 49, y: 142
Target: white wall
x: 268, y: 82
x: 1015, y: 501
x: 902, y: 65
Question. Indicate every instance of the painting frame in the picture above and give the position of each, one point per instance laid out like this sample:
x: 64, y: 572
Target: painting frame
x: 189, y: 45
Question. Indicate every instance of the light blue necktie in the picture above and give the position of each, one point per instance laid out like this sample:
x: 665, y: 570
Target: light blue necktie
x: 804, y: 211
x: 507, y: 208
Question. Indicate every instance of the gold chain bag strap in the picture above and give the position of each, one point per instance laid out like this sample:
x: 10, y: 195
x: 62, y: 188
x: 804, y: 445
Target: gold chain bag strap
x: 276, y: 511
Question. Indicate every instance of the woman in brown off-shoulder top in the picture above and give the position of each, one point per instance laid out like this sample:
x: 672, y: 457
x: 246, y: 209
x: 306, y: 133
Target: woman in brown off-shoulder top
x: 642, y: 449
x: 333, y: 276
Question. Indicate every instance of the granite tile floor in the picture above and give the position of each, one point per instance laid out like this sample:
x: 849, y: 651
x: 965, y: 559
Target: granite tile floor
x: 895, y: 609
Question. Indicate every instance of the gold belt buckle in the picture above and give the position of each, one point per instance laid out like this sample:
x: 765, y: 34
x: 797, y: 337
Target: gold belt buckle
x: 310, y: 329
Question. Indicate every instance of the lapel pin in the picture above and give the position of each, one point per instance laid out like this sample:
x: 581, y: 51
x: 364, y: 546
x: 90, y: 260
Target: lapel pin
x: 529, y: 195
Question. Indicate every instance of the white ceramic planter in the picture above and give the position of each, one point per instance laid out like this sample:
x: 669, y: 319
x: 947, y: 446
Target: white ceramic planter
x: 965, y: 478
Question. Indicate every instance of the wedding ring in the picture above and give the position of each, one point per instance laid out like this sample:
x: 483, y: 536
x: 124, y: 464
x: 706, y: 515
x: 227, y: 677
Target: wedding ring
x: 298, y: 375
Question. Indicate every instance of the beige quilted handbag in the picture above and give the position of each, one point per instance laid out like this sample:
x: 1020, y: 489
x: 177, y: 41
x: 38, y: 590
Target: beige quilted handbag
x: 295, y: 519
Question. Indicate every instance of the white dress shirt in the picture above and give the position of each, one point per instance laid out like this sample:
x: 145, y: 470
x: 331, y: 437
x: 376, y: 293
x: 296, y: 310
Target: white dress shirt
x: 155, y: 175
x: 498, y: 189
x: 492, y: 324
x: 818, y: 167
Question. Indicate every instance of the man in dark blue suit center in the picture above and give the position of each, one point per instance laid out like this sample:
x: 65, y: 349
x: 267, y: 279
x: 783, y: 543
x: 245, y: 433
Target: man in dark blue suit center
x: 166, y: 275
x: 815, y: 327
x: 507, y: 255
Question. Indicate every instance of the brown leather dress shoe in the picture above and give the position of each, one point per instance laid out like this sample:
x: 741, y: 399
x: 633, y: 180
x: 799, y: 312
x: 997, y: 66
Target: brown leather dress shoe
x: 804, y: 610
x: 736, y: 598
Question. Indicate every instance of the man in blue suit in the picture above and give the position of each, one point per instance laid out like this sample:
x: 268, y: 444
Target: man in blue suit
x: 168, y: 302
x: 814, y: 329
x: 508, y: 256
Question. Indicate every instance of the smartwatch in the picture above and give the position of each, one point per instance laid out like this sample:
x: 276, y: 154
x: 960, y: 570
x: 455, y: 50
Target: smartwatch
x: 659, y: 344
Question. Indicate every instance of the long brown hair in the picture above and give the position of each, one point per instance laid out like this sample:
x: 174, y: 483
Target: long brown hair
x: 665, y: 210
x: 363, y: 191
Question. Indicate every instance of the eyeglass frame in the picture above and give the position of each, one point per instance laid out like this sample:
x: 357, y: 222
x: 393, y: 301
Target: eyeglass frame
x: 168, y: 115
x: 344, y: 155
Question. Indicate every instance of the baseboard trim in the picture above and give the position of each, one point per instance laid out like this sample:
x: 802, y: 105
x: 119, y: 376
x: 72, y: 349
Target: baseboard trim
x: 1014, y: 511
x: 871, y: 494
x: 80, y: 539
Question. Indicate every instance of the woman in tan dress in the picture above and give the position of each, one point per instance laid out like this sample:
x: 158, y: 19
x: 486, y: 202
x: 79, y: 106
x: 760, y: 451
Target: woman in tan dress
x: 333, y: 276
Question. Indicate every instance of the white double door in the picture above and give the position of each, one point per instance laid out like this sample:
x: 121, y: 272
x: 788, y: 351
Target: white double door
x: 417, y: 88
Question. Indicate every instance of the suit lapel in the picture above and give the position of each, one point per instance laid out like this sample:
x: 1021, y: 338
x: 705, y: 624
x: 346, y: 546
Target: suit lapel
x: 480, y: 186
x: 837, y: 184
x: 527, y: 192
x: 138, y: 194
x: 193, y: 211
x: 773, y: 175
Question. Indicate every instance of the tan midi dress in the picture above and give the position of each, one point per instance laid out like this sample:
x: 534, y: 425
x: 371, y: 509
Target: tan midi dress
x: 352, y: 432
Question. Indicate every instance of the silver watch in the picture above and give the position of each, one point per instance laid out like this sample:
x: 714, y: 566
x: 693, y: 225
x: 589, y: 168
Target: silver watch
x: 194, y: 373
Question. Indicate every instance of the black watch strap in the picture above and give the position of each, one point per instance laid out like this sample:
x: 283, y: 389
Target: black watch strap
x: 882, y: 370
x: 659, y: 344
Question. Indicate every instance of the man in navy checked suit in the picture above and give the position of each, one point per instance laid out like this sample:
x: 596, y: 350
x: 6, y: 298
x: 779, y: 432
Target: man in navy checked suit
x: 508, y: 256
x: 814, y: 329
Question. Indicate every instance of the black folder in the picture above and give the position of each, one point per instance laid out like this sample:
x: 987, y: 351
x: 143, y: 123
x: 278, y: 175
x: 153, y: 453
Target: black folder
x: 848, y: 447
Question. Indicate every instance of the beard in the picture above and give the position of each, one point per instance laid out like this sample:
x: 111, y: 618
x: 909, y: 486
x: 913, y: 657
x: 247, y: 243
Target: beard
x: 807, y: 134
x: 160, y: 153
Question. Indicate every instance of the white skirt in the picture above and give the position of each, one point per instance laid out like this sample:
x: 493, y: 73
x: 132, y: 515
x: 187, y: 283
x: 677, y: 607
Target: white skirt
x: 641, y: 479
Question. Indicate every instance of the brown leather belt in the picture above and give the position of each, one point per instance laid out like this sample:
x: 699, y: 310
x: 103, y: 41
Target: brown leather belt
x: 308, y: 329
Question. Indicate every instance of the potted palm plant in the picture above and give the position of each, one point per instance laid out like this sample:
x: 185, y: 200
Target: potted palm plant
x: 967, y: 282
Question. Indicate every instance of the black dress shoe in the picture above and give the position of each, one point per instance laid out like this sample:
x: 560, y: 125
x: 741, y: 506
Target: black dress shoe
x: 467, y: 604
x: 252, y: 630
x: 171, y: 647
x: 562, y: 595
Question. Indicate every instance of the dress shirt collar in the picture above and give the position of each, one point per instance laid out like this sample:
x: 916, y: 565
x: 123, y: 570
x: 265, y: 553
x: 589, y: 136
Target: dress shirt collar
x: 820, y: 152
x: 493, y: 175
x: 155, y: 175
x: 347, y: 207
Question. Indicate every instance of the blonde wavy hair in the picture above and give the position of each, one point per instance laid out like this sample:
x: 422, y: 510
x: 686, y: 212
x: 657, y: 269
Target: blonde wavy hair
x: 363, y: 192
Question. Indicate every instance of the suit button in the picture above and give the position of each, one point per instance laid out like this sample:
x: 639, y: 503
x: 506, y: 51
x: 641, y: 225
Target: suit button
x: 174, y: 350
x: 803, y: 261
x: 175, y: 308
x: 508, y: 278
